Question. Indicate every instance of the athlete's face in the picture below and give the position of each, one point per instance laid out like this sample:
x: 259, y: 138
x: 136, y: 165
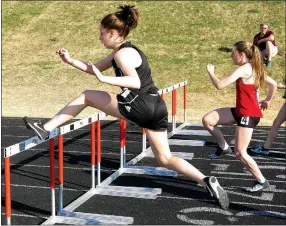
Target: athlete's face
x: 109, y: 37
x: 236, y: 56
x: 105, y: 36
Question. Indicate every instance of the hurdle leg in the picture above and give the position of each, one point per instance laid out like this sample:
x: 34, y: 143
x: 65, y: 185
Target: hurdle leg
x: 174, y: 109
x: 61, y: 170
x: 52, y: 176
x: 122, y: 123
x: 185, y: 103
x: 7, y: 179
x: 124, y: 140
x: 92, y: 150
x: 143, y: 139
x: 98, y: 150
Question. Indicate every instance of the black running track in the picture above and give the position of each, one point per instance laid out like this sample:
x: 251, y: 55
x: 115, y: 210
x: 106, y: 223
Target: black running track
x: 182, y: 201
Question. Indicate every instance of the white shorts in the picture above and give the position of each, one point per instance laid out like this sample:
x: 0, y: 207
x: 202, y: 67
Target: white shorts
x: 274, y: 51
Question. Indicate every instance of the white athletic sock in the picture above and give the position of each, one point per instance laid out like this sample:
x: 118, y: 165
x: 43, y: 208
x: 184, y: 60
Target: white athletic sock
x: 262, y: 180
x: 225, y: 146
x: 47, y: 129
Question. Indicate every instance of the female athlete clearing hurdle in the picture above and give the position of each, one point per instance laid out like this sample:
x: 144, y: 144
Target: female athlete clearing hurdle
x: 249, y: 78
x: 138, y: 102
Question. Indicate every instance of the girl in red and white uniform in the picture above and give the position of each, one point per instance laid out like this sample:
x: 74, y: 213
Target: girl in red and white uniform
x: 249, y: 78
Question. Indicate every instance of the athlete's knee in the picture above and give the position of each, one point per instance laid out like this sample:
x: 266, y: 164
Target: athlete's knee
x: 207, y: 120
x: 163, y: 160
x: 240, y: 155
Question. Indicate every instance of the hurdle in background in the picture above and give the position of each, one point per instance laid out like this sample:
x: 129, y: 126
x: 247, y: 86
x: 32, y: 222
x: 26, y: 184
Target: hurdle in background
x: 103, y: 188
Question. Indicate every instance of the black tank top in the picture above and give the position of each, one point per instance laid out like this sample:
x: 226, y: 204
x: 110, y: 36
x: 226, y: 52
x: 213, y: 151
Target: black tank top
x: 143, y: 71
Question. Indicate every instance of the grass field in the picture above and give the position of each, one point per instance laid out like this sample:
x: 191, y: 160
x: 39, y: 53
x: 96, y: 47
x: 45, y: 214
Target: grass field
x: 179, y: 38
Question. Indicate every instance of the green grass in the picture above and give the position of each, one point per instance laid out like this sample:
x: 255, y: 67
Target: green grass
x: 18, y: 14
x: 180, y: 38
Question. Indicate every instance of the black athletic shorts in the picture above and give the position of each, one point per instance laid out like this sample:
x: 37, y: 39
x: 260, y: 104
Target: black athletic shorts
x: 245, y: 121
x: 147, y: 110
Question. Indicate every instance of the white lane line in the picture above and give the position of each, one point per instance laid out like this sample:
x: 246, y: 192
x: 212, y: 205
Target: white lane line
x: 257, y: 129
x: 161, y: 196
x: 235, y: 160
x: 262, y: 141
x: 25, y: 215
x: 246, y: 173
x: 267, y: 157
x: 264, y: 196
x: 231, y: 173
x: 237, y: 178
x: 243, y: 179
x: 272, y: 189
x: 271, y: 167
x: 207, y: 200
x: 279, y: 152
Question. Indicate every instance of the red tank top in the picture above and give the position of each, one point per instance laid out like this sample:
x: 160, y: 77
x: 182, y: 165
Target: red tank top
x: 246, y: 100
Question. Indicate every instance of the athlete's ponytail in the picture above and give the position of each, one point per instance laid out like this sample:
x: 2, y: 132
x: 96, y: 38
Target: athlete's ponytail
x: 253, y: 54
x: 123, y: 20
x: 258, y: 67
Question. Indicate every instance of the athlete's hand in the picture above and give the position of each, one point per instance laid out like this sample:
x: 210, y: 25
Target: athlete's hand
x: 64, y: 55
x: 96, y: 72
x: 210, y: 68
x: 264, y: 104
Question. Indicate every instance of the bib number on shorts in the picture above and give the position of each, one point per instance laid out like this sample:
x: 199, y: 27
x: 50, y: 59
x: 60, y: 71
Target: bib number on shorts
x: 244, y: 120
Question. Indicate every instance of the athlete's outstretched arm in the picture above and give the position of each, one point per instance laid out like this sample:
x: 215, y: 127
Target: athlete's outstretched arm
x: 222, y: 83
x: 102, y: 65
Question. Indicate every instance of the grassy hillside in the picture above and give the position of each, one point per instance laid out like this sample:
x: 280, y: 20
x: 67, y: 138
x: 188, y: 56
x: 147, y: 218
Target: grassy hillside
x: 179, y: 38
